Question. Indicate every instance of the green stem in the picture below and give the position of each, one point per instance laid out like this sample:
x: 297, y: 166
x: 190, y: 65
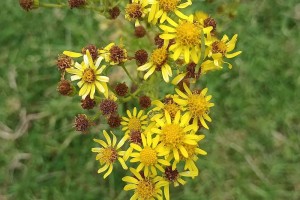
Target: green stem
x: 124, y: 68
x: 52, y: 5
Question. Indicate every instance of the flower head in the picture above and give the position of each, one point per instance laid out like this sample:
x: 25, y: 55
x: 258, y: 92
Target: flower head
x: 114, y: 54
x: 197, y: 104
x: 136, y: 10
x: 109, y: 153
x: 135, y: 121
x: 89, y: 76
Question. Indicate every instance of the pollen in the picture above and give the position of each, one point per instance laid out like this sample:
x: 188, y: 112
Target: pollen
x: 89, y: 75
x: 172, y: 135
x: 197, y: 105
x: 145, y: 189
x: 134, y: 124
x: 134, y: 10
x: 168, y: 5
x: 159, y: 57
x: 219, y: 47
x: 188, y: 34
x: 172, y: 109
x: 148, y: 156
x: 107, y: 155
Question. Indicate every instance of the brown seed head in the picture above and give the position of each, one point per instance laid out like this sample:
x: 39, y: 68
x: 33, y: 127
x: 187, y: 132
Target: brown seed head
x: 92, y: 49
x: 158, y: 41
x: 82, y: 123
x: 134, y: 10
x: 121, y: 89
x: 114, y: 121
x: 108, y: 107
x: 117, y: 54
x: 145, y: 102
x: 135, y: 137
x: 210, y: 22
x: 171, y: 175
x: 63, y: 62
x: 76, y: 3
x: 29, y: 4
x: 88, y: 103
x: 114, y: 12
x: 140, y: 31
x: 65, y: 88
x: 141, y: 57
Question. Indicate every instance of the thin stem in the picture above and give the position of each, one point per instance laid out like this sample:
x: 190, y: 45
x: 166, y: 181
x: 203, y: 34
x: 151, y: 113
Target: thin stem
x: 128, y: 74
x: 52, y: 5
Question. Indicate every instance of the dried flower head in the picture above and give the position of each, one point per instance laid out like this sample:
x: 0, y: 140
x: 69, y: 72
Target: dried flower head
x: 76, y: 3
x: 108, y: 107
x: 158, y: 41
x: 114, y: 121
x: 92, y: 49
x: 210, y: 22
x: 121, y: 89
x: 114, y: 12
x: 145, y: 102
x: 82, y: 123
x: 141, y: 57
x: 63, y: 62
x: 135, y: 137
x: 29, y: 4
x: 140, y: 31
x: 65, y: 88
x: 88, y: 103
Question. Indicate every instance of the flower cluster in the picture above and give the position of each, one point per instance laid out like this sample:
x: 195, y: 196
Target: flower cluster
x: 159, y: 135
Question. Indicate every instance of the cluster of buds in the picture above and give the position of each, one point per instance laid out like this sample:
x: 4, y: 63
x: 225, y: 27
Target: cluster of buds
x: 160, y: 133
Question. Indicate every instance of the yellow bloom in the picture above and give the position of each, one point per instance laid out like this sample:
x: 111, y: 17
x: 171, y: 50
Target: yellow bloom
x: 173, y: 176
x: 175, y: 133
x: 114, y: 54
x: 136, y: 10
x: 158, y: 62
x: 167, y: 105
x: 187, y: 37
x: 109, y: 153
x: 148, y: 156
x: 135, y: 121
x: 90, y: 76
x: 145, y: 188
x: 161, y: 8
x: 197, y: 104
x: 221, y: 48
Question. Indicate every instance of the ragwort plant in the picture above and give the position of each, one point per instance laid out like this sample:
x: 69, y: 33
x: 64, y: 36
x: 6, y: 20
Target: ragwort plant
x: 160, y: 140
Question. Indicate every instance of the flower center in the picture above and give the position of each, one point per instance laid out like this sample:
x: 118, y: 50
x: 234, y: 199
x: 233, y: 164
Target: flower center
x: 188, y: 34
x: 135, y: 137
x: 172, y: 109
x: 134, y: 10
x: 171, y: 175
x: 172, y: 135
x: 219, y: 47
x: 197, y: 105
x: 148, y: 156
x: 145, y: 189
x: 107, y: 155
x: 168, y: 5
x: 159, y: 57
x: 89, y: 75
x: 117, y: 54
x: 134, y: 124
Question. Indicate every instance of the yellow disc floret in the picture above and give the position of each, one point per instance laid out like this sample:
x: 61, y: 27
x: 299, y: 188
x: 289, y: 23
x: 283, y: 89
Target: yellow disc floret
x: 159, y: 56
x: 148, y: 156
x: 168, y: 5
x: 219, y: 47
x: 89, y: 75
x: 172, y: 135
x: 188, y: 34
x: 172, y: 109
x: 134, y: 124
x: 108, y: 155
x: 145, y: 189
x: 134, y: 10
x: 197, y: 105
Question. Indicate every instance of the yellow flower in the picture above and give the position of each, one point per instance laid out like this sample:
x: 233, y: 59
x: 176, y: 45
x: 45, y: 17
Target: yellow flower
x: 209, y: 65
x: 173, y: 176
x: 135, y: 121
x: 161, y: 8
x: 109, y: 153
x: 90, y: 76
x: 136, y: 10
x: 221, y: 48
x: 197, y: 104
x: 158, y: 62
x: 175, y: 133
x: 167, y: 105
x: 148, y: 156
x: 114, y: 54
x: 187, y: 37
x: 145, y: 188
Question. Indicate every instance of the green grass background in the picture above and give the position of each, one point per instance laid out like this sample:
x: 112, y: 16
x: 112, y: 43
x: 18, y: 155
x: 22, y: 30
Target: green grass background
x: 253, y: 145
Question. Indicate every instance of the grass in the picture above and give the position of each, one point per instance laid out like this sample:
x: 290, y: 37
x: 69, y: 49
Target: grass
x: 253, y: 145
